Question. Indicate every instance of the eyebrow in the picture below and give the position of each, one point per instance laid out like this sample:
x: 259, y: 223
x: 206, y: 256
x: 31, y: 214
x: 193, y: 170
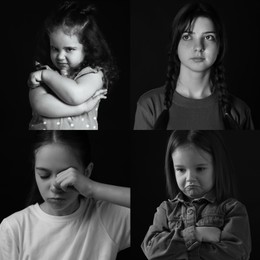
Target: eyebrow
x: 191, y: 32
x: 200, y: 164
x: 72, y: 46
x: 49, y: 171
x: 42, y: 169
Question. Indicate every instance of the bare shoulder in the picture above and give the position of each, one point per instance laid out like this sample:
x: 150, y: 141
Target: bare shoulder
x: 90, y: 77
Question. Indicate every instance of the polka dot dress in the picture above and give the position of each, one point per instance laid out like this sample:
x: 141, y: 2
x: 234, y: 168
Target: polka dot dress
x: 86, y: 121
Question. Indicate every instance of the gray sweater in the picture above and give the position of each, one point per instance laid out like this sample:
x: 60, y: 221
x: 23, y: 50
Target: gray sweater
x: 187, y: 113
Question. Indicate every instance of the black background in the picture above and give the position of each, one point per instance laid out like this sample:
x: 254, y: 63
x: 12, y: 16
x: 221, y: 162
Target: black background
x: 110, y: 155
x: 148, y: 182
x: 150, y: 38
x: 124, y: 157
x: 24, y: 20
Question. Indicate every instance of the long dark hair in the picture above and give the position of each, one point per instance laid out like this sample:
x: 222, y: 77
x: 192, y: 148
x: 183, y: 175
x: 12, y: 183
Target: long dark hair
x: 79, y: 17
x: 210, y: 142
x: 78, y: 140
x: 183, y: 20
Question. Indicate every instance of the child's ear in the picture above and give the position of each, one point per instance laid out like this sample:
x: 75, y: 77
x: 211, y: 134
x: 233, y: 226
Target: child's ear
x: 88, y: 170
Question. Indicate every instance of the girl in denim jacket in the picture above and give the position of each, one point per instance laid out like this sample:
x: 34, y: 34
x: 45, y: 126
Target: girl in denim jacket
x: 201, y: 220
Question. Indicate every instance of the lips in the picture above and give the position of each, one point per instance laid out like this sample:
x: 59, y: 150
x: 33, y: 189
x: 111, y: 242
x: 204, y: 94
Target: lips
x: 56, y: 199
x: 62, y: 65
x: 198, y: 59
x: 191, y: 187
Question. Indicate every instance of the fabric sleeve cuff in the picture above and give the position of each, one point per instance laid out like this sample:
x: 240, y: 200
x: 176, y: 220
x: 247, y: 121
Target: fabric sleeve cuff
x: 189, y: 237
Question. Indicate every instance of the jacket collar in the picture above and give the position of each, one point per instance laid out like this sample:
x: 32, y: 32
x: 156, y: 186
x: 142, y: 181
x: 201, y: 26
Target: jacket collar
x: 210, y: 197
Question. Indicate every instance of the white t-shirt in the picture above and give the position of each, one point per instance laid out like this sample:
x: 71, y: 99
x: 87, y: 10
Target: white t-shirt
x: 96, y: 231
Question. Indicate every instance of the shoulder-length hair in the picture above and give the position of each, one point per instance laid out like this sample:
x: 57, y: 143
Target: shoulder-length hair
x: 79, y: 18
x: 210, y: 142
x: 77, y: 140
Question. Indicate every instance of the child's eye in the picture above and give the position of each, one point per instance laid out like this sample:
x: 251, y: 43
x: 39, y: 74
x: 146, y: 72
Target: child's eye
x: 70, y: 49
x: 44, y: 176
x: 186, y: 37
x: 201, y: 169
x: 53, y: 48
x: 180, y: 170
x: 210, y: 38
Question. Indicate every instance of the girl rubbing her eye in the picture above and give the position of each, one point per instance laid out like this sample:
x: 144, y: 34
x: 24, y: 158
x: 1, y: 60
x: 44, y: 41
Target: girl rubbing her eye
x: 201, y: 219
x: 70, y: 216
x: 73, y: 70
x: 195, y: 94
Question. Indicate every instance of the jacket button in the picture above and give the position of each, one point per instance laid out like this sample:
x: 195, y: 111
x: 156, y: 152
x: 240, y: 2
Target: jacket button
x: 190, y: 211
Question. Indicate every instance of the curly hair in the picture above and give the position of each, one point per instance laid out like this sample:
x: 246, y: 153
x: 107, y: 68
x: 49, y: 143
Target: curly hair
x: 183, y: 20
x: 79, y: 18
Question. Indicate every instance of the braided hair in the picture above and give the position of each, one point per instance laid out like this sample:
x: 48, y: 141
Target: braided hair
x: 79, y: 18
x: 183, y: 20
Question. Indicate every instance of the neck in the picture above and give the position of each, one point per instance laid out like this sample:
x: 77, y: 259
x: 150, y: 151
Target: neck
x: 60, y: 211
x: 194, y: 84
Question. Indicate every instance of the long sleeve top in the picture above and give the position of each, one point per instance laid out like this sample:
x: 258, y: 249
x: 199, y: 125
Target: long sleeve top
x: 172, y: 234
x: 188, y: 113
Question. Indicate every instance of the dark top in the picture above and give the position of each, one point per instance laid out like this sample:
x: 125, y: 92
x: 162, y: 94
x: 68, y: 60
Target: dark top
x: 188, y: 114
x: 172, y: 234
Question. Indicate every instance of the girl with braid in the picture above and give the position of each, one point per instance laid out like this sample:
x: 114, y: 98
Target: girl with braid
x: 195, y: 95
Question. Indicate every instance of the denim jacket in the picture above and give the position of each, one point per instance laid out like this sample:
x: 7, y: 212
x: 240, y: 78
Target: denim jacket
x: 172, y: 235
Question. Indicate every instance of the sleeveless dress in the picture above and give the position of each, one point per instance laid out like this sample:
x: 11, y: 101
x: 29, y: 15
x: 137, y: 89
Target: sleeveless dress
x: 85, y: 121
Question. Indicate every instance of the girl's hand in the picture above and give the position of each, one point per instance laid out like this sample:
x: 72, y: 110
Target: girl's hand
x: 35, y: 79
x: 39, y: 66
x: 208, y: 234
x: 71, y: 178
x: 92, y: 102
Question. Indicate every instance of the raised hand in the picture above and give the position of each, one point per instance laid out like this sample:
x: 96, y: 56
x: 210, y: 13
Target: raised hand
x: 72, y: 178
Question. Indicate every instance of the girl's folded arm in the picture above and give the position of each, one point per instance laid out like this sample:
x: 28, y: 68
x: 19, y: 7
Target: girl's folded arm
x: 48, y: 105
x: 235, y: 237
x: 162, y: 242
x: 73, y: 92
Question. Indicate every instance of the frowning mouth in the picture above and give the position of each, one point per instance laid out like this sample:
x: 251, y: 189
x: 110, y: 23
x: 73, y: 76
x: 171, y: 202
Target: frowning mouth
x: 190, y: 187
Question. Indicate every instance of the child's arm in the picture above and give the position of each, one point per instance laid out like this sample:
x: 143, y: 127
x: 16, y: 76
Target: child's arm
x: 89, y: 188
x: 234, y: 241
x: 48, y: 105
x: 162, y: 242
x: 208, y: 234
x: 72, y: 92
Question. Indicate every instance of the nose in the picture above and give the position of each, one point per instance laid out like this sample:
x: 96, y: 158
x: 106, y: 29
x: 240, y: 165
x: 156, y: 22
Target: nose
x: 61, y: 56
x: 55, y: 188
x: 199, y: 45
x: 190, y: 177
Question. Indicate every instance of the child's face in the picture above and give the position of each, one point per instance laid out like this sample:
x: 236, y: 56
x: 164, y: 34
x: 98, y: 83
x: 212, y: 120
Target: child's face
x: 193, y: 170
x: 65, y: 50
x: 198, y: 48
x: 50, y: 160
